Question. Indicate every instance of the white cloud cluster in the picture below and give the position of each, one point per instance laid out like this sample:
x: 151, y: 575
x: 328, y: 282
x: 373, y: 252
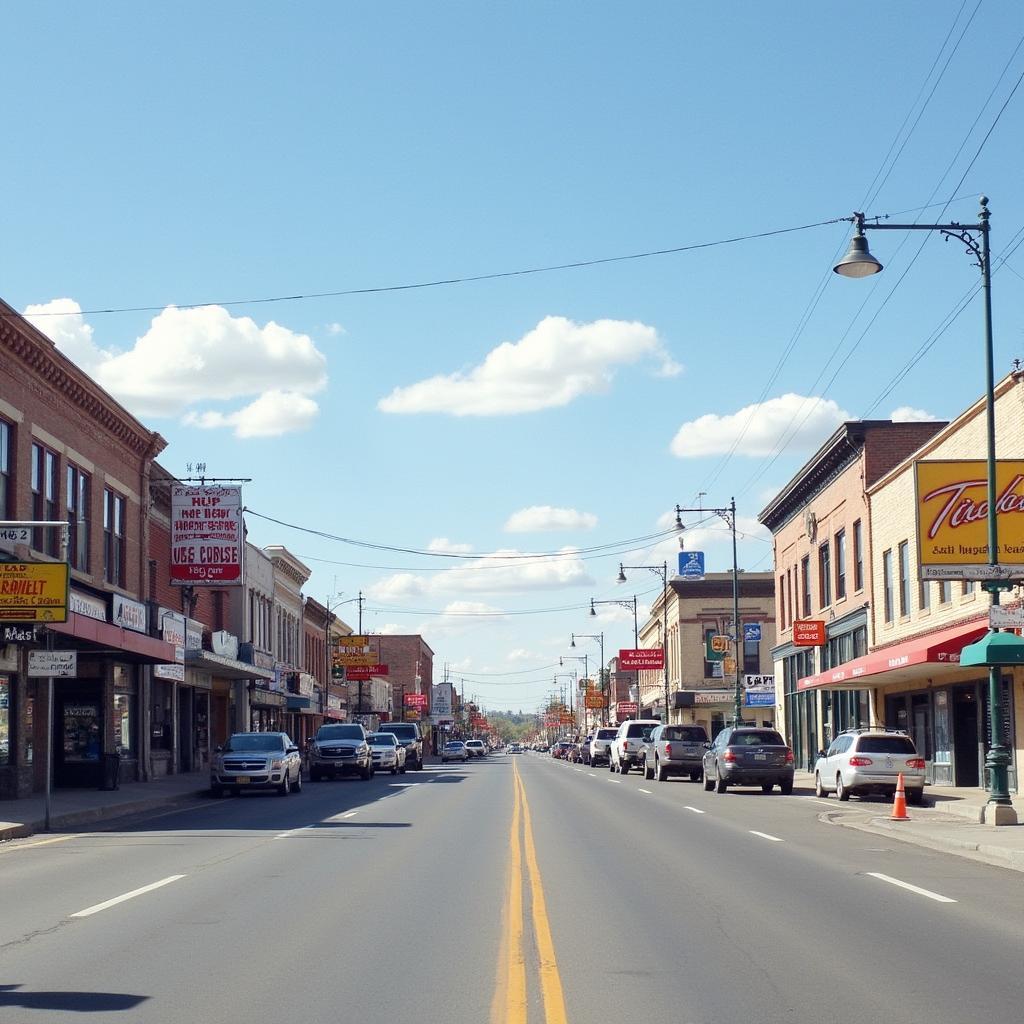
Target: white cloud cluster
x: 192, y: 357
x: 443, y: 544
x: 908, y: 414
x: 550, y: 366
x: 543, y: 518
x: 757, y: 429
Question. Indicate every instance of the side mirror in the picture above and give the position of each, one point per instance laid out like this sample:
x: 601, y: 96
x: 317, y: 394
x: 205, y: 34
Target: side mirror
x: 707, y: 746
x: 821, y: 753
x: 292, y: 750
x: 218, y: 750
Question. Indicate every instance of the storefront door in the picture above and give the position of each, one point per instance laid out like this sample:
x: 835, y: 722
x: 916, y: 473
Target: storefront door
x: 78, y: 736
x: 966, y: 750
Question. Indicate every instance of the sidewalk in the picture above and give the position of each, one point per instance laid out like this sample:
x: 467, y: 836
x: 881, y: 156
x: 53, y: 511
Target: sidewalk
x: 70, y: 808
x: 951, y: 822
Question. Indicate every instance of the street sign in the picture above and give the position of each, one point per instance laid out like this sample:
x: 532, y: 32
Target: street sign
x: 16, y: 534
x: 809, y: 633
x: 751, y: 632
x: 632, y: 659
x: 1001, y: 617
x: 691, y: 565
x: 759, y: 699
x: 62, y: 664
x: 346, y: 659
x: 34, y: 591
x: 415, y: 700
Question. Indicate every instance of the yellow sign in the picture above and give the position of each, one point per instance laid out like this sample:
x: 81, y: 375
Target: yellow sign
x: 952, y: 519
x: 33, y: 591
x: 594, y: 699
x: 720, y: 644
x: 359, y: 660
x: 352, y: 641
x: 728, y: 666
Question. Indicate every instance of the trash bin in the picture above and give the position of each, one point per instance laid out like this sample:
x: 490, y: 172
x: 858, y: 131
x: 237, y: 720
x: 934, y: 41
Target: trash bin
x: 111, y: 772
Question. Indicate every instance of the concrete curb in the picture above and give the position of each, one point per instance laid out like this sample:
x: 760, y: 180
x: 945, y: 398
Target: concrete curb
x: 108, y: 812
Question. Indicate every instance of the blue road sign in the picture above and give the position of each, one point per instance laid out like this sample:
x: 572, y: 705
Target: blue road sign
x: 691, y: 565
x: 752, y: 632
x: 753, y: 699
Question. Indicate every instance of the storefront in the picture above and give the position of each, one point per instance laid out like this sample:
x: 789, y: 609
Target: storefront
x: 218, y: 708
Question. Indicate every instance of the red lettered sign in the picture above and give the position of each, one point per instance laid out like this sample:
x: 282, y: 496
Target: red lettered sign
x: 353, y: 673
x: 809, y: 633
x: 206, y: 535
x: 631, y: 659
x: 415, y: 700
x: 625, y: 709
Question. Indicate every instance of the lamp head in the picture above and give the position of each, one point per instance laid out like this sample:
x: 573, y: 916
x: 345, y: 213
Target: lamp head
x: 622, y: 575
x: 858, y: 261
x: 572, y: 640
x: 679, y: 520
x: 593, y: 610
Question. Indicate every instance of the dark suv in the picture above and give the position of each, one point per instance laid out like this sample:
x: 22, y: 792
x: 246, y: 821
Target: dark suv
x: 340, y: 749
x: 408, y: 734
x: 748, y: 756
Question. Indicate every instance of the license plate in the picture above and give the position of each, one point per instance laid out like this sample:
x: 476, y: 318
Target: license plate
x: 242, y: 779
x: 760, y: 757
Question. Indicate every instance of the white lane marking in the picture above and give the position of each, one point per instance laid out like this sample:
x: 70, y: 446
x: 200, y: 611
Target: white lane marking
x: 938, y: 897
x: 618, y: 782
x: 696, y: 810
x: 291, y: 832
x: 350, y: 814
x: 580, y: 770
x: 764, y: 835
x: 126, y: 896
x: 593, y: 775
x: 647, y: 791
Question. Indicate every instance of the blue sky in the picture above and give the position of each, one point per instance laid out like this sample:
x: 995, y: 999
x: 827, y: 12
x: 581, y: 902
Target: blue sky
x: 169, y: 155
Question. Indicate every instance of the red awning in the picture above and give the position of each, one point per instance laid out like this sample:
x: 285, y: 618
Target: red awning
x: 134, y: 646
x: 941, y: 647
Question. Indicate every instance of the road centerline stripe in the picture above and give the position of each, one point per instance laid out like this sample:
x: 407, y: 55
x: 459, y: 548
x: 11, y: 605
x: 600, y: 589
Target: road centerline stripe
x: 938, y: 897
x: 106, y: 904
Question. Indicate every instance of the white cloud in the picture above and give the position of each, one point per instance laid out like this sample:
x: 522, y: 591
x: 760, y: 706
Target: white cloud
x: 191, y: 357
x: 335, y: 329
x: 539, y: 518
x: 443, y: 544
x: 548, y: 367
x: 908, y: 414
x: 520, y: 654
x: 400, y: 587
x: 804, y: 422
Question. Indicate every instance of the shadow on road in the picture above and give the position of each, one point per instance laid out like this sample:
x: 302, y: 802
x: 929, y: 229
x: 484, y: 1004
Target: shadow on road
x: 79, y: 1002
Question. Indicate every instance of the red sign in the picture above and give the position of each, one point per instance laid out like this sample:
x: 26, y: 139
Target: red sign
x: 641, y: 658
x: 355, y: 673
x: 206, y: 535
x: 809, y: 633
x: 625, y: 709
x: 415, y: 700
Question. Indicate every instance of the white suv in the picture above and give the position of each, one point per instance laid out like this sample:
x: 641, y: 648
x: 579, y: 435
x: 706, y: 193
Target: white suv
x: 627, y: 748
x: 869, y: 761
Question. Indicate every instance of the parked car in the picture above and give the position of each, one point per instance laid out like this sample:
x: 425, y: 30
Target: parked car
x: 454, y: 750
x: 581, y: 751
x: 675, y: 750
x: 257, y: 760
x: 476, y: 748
x: 338, y: 750
x: 864, y: 761
x: 561, y: 750
x: 748, y: 756
x: 388, y: 754
x: 600, y: 746
x: 627, y: 749
x: 409, y: 736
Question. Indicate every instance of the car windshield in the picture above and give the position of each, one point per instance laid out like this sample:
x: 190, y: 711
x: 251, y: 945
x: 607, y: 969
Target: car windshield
x: 687, y: 733
x: 886, y: 745
x: 383, y: 739
x: 404, y: 732
x: 254, y: 741
x: 340, y: 732
x: 757, y: 738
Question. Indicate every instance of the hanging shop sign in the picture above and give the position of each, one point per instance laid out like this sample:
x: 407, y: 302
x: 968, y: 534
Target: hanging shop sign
x: 130, y: 614
x: 634, y: 659
x: 34, y: 591
x: 809, y: 633
x: 952, y: 519
x: 206, y: 535
x: 60, y: 664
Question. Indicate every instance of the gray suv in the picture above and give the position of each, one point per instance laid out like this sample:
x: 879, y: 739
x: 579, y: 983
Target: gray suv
x: 864, y: 761
x: 340, y: 750
x: 675, y: 750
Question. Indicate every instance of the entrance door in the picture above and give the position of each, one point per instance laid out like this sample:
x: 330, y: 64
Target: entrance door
x: 77, y: 737
x: 965, y: 737
x: 184, y: 729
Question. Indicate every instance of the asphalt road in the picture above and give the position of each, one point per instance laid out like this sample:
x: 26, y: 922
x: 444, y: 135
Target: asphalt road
x: 518, y: 890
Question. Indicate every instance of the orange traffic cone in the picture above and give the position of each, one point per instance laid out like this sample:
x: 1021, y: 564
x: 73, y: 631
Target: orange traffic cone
x: 899, y: 805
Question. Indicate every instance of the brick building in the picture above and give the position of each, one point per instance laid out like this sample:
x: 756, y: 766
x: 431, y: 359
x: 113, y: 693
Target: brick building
x: 410, y: 662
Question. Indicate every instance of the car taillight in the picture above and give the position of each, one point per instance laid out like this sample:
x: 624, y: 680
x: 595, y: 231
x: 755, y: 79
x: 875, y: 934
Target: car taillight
x: 729, y: 755
x: 860, y: 762
x: 625, y: 744
x: 915, y: 762
x: 789, y: 757
x: 668, y: 749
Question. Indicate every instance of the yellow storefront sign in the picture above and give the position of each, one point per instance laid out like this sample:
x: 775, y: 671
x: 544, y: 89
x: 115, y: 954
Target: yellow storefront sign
x: 952, y: 519
x: 33, y: 592
x: 354, y: 660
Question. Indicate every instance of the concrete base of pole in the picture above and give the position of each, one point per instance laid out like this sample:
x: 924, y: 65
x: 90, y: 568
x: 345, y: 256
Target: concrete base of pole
x: 998, y: 814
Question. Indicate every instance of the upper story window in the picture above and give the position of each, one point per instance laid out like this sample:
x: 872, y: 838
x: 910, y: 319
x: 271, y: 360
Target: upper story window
x: 825, y: 575
x: 904, y: 553
x: 945, y: 592
x: 751, y: 656
x: 805, y: 586
x: 114, y: 546
x: 6, y: 482
x: 45, y: 486
x: 858, y: 556
x: 840, y: 565
x: 77, y: 499
x: 887, y: 584
x: 782, y: 600
x: 924, y: 595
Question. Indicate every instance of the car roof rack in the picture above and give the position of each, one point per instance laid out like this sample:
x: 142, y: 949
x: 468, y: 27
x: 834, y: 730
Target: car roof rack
x: 875, y: 728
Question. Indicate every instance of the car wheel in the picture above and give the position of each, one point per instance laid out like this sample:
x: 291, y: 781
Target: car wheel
x: 401, y: 771
x: 366, y: 773
x: 819, y: 790
x: 708, y: 784
x: 649, y: 770
x: 611, y: 766
x: 623, y: 768
x: 786, y: 787
x: 286, y: 785
x: 767, y: 787
x: 315, y: 776
x: 841, y: 791
x: 394, y: 771
x: 660, y: 771
x: 720, y: 784
x: 216, y: 790
x: 915, y: 797
x: 298, y: 782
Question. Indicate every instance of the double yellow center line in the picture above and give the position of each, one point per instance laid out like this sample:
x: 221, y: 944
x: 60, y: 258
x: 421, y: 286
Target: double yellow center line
x: 510, y: 998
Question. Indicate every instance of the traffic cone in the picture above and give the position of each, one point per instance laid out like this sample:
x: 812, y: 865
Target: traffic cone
x: 899, y: 805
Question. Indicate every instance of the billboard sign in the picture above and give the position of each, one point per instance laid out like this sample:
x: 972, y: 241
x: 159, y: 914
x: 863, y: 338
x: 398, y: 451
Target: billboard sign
x: 206, y: 535
x: 634, y: 659
x: 441, y: 702
x: 34, y: 591
x: 952, y: 519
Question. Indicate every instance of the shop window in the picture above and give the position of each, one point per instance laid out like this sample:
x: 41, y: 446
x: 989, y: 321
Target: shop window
x: 77, y: 499
x: 124, y: 733
x: 44, y: 499
x: 904, y: 556
x: 709, y: 666
x: 82, y: 735
x: 840, y: 565
x: 825, y: 575
x: 858, y: 556
x: 6, y: 484
x: 887, y: 584
x: 5, y: 720
x: 113, y: 538
x: 751, y: 657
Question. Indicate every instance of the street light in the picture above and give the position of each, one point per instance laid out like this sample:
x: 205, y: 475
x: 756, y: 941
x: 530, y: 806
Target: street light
x: 858, y: 262
x: 636, y: 635
x: 728, y: 516
x: 661, y: 571
x: 599, y: 637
